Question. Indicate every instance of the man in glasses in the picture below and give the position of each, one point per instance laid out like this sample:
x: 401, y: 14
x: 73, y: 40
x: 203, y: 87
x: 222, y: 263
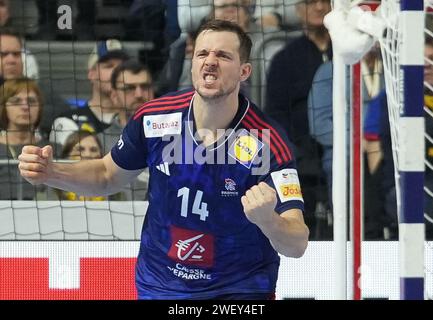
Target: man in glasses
x: 17, y: 62
x: 131, y: 87
x: 97, y: 115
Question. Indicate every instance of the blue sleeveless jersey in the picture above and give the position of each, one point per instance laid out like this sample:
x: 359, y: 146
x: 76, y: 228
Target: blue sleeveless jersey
x: 196, y: 241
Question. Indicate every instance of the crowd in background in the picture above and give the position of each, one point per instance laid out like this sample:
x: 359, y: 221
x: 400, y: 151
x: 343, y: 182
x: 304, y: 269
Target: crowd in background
x: 296, y: 89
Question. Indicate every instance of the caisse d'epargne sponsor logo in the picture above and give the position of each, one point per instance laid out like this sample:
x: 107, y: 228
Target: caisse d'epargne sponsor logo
x: 190, y: 250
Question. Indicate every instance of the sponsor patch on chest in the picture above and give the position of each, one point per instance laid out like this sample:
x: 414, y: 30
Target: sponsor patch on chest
x: 162, y: 124
x: 191, y: 247
x: 245, y: 148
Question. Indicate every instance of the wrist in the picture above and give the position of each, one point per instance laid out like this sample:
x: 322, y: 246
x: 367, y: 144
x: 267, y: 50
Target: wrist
x: 268, y: 221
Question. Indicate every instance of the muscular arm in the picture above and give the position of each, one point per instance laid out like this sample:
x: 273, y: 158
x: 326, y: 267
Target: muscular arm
x: 287, y: 232
x: 87, y: 177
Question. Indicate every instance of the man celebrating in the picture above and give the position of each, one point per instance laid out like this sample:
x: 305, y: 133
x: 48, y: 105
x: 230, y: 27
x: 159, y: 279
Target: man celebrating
x: 212, y: 230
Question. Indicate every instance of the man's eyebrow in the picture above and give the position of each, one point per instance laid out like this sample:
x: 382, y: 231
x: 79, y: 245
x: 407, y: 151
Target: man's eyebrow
x: 219, y: 51
x: 224, y: 52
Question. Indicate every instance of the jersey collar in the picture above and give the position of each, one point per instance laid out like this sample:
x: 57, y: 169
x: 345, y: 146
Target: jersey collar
x: 244, y: 105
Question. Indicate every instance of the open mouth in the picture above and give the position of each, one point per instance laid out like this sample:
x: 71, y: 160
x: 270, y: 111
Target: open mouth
x: 209, y: 78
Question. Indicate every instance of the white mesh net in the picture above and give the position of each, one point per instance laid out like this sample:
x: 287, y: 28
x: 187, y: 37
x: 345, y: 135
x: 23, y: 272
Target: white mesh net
x: 390, y: 48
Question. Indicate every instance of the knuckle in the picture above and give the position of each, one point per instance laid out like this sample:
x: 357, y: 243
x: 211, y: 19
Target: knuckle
x: 269, y: 199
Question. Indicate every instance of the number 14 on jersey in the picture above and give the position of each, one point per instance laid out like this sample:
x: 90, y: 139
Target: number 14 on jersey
x: 198, y: 207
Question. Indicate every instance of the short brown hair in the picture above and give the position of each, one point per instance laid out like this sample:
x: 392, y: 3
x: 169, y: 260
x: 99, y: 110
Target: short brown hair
x: 11, y: 32
x: 77, y: 137
x: 245, y: 43
x: 11, y: 88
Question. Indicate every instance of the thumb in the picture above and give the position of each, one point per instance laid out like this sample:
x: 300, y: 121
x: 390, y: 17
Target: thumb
x: 47, y: 152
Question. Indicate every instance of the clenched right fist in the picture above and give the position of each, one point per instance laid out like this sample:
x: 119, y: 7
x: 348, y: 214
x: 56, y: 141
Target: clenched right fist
x: 36, y: 164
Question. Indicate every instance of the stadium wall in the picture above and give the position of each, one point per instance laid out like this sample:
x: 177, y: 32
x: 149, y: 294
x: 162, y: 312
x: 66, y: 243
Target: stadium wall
x: 105, y: 270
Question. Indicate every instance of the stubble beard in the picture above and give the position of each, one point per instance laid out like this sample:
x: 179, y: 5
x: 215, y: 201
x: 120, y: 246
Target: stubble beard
x: 215, y: 96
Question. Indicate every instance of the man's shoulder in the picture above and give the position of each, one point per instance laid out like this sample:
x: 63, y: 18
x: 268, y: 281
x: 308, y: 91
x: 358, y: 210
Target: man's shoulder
x: 262, y: 120
x: 174, y: 102
x: 295, y: 44
x: 256, y: 119
x: 290, y: 54
x: 269, y: 133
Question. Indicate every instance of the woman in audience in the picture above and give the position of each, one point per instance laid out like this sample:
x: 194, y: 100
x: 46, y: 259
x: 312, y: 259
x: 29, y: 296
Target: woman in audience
x: 21, y: 108
x: 81, y: 145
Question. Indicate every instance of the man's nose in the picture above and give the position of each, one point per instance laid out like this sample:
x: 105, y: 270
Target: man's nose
x: 9, y: 58
x: 211, y: 59
x: 85, y: 154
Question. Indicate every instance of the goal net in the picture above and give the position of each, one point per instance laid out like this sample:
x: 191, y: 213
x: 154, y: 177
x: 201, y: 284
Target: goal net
x: 398, y: 25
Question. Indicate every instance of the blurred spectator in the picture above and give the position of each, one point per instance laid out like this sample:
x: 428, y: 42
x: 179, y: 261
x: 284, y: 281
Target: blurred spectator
x: 237, y: 11
x: 288, y: 83
x: 267, y: 13
x: 379, y: 127
x: 240, y: 12
x: 382, y: 127
x: 98, y: 113
x: 271, y: 21
x: 83, y: 145
x: 15, y: 63
x: 4, y: 13
x: 190, y: 13
x: 276, y: 13
x: 153, y: 20
x: 21, y: 109
x: 132, y: 86
x: 321, y: 128
x: 172, y: 24
x: 388, y: 178
x: 176, y: 74
x: 146, y: 21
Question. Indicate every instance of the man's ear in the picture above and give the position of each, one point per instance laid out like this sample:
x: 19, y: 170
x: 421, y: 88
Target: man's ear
x: 246, y: 69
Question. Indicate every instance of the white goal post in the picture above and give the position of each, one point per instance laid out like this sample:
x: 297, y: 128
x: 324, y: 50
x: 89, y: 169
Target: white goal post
x: 399, y: 27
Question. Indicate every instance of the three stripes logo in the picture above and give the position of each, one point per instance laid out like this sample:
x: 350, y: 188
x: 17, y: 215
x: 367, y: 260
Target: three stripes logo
x: 163, y: 167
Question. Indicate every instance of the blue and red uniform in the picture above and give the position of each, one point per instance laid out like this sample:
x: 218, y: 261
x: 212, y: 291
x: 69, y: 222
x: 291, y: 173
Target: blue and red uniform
x: 196, y: 241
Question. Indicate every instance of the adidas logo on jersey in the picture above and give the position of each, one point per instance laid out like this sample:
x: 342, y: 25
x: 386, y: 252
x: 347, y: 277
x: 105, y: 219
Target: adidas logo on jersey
x: 163, y: 167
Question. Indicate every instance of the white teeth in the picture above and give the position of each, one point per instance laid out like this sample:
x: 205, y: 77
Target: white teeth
x: 209, y: 77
